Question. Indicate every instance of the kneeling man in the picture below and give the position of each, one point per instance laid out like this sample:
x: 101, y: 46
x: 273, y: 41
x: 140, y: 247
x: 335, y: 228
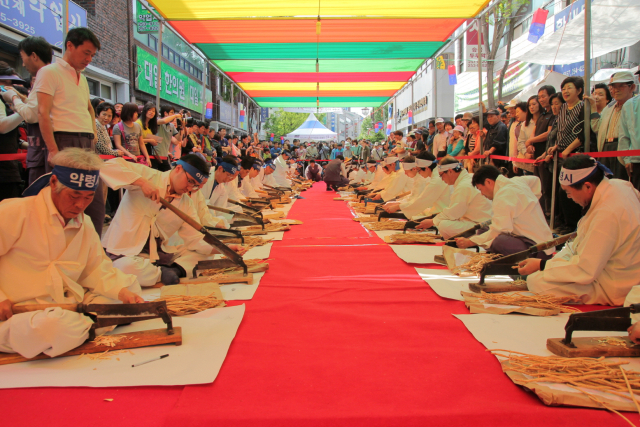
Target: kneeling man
x: 602, y: 264
x: 50, y: 253
x: 517, y: 222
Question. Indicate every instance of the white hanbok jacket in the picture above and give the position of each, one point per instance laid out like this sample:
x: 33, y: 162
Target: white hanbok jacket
x: 246, y: 188
x: 280, y: 174
x: 466, y: 203
x: 138, y: 217
x: 401, y: 184
x: 517, y: 212
x: 41, y: 259
x: 603, y: 263
x: 433, y: 199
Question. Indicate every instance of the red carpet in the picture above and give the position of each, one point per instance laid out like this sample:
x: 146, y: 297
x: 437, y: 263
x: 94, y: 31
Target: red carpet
x: 337, y: 334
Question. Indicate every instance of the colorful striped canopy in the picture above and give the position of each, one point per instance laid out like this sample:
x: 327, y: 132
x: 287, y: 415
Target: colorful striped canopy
x: 326, y: 53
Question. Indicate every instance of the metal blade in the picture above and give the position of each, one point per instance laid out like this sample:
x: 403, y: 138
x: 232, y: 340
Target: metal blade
x: 215, y: 263
x: 225, y: 250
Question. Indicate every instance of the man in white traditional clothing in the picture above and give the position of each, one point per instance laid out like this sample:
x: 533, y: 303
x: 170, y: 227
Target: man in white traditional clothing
x: 429, y: 195
x: 401, y: 183
x: 50, y: 253
x: 467, y: 207
x: 602, y: 264
x: 138, y: 238
x: 267, y: 177
x: 387, y: 173
x: 224, y: 174
x: 282, y: 167
x: 517, y: 222
x: 251, y: 166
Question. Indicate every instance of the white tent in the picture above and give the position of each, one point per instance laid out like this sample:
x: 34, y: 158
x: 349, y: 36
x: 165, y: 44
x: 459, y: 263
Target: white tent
x: 312, y: 130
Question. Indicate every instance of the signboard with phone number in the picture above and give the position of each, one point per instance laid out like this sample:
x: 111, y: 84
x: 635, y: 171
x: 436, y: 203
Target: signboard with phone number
x: 39, y: 18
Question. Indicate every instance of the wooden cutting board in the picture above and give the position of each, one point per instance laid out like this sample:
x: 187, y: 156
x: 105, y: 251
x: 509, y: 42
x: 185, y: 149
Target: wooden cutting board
x: 594, y: 347
x: 134, y: 340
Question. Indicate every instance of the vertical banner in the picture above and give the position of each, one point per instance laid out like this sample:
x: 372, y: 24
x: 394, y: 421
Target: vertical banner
x: 410, y: 117
x: 208, y: 114
x: 453, y: 78
x: 536, y: 30
x: 471, y: 48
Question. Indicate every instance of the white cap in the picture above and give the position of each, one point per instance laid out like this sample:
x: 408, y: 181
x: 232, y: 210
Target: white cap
x: 390, y: 160
x: 459, y: 129
x: 512, y: 103
x: 622, y: 77
x: 439, y: 120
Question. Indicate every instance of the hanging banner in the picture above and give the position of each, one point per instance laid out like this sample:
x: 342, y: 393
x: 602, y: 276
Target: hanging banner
x: 145, y: 21
x: 536, y: 30
x: 440, y: 64
x: 226, y: 112
x: 559, y: 21
x: 208, y: 114
x: 471, y: 48
x: 177, y: 87
x: 264, y: 114
x: 453, y: 79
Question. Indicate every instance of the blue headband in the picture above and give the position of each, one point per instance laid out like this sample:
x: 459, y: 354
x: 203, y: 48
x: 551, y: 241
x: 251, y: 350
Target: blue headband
x: 270, y: 165
x: 191, y: 170
x: 77, y: 179
x: 228, y: 167
x: 256, y: 166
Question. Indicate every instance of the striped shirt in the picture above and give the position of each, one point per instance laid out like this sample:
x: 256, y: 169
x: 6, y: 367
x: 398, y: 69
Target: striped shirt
x: 570, y: 125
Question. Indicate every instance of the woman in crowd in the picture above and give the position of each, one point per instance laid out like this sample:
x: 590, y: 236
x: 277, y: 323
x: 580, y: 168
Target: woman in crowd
x: 104, y: 114
x: 127, y: 135
x: 456, y: 142
x: 470, y: 146
x: 179, y: 141
x: 526, y: 120
x: 149, y: 123
x: 602, y: 95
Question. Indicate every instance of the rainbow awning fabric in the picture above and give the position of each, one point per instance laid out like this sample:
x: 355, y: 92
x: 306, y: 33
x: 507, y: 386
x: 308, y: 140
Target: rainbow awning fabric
x: 325, y: 53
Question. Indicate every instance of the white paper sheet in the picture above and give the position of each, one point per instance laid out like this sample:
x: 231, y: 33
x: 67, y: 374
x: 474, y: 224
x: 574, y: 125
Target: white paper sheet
x: 206, y: 338
x: 241, y: 291
x: 259, y: 252
x: 526, y: 334
x: 448, y: 285
x: 274, y: 235
x: 230, y: 292
x: 417, y: 254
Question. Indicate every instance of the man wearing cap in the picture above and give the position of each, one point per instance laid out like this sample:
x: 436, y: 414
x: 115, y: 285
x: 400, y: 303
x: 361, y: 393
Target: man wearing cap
x: 282, y: 167
x: 467, y: 207
x: 335, y: 175
x: 10, y: 179
x: 51, y: 254
x: 622, y: 86
x: 431, y: 199
x: 496, y: 138
x: 602, y: 264
x: 517, y: 222
x: 630, y: 138
x: 377, y: 153
x: 440, y: 139
x: 138, y: 238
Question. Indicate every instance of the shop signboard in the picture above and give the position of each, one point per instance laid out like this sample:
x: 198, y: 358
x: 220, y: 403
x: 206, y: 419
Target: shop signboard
x: 177, y: 87
x: 226, y: 113
x: 37, y: 18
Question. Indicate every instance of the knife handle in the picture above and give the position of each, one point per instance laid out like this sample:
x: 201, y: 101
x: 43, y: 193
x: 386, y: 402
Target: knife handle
x: 17, y: 309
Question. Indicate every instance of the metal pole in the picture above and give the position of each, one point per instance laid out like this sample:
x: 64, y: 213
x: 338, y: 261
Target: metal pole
x: 435, y: 89
x: 554, y: 186
x: 587, y: 73
x: 65, y: 23
x: 205, y: 75
x: 480, y: 121
x: 159, y: 80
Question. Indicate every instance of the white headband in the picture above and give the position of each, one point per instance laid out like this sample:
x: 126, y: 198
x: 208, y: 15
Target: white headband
x: 443, y: 168
x: 422, y: 163
x: 408, y: 166
x: 390, y: 160
x: 576, y: 176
